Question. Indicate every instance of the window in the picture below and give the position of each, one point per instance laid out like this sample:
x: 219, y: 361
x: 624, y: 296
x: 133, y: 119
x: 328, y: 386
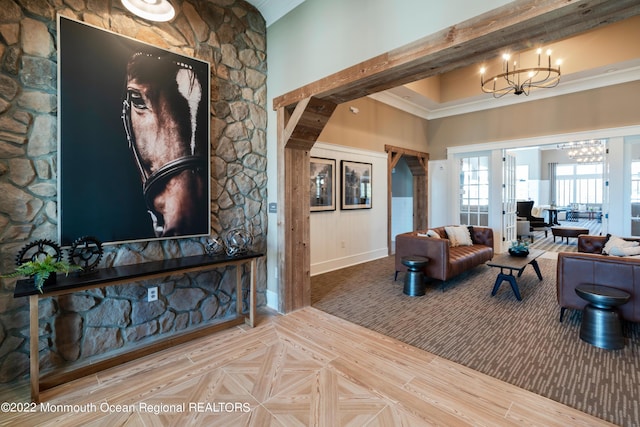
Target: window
x: 474, y: 190
x: 578, y: 183
x: 635, y: 182
x: 522, y: 182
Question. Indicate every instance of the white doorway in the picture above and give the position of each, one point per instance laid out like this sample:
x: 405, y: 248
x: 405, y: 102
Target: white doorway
x: 401, y: 200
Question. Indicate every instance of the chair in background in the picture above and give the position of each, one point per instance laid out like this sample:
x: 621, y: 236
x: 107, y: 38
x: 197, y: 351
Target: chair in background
x: 523, y: 229
x: 523, y: 210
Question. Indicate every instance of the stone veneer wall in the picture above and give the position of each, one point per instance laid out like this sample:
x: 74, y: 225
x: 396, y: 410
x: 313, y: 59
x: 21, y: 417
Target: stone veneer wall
x: 231, y: 36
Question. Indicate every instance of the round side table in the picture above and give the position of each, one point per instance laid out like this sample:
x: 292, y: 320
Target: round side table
x: 414, y: 285
x: 601, y: 325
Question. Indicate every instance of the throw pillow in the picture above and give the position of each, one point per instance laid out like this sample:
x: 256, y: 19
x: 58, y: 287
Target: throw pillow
x: 630, y: 251
x: 459, y: 236
x: 617, y: 242
x: 433, y: 233
x: 430, y: 233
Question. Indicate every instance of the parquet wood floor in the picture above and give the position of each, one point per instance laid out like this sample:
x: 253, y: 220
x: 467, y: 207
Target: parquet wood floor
x: 307, y: 368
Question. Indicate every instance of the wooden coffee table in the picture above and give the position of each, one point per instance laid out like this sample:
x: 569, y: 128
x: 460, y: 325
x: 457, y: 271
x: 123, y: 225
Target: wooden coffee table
x: 568, y: 232
x: 508, y: 264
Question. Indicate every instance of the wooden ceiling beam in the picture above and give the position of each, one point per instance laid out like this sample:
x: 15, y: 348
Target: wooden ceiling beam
x: 416, y: 165
x: 518, y: 25
x: 306, y: 122
x: 416, y: 160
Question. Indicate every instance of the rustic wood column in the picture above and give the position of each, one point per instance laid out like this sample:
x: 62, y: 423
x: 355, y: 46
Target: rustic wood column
x: 298, y: 130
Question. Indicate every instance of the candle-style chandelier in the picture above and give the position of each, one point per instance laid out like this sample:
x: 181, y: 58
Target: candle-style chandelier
x: 591, y: 151
x: 519, y: 80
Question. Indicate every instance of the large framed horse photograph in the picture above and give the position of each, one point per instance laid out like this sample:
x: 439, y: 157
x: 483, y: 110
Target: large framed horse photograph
x: 133, y: 139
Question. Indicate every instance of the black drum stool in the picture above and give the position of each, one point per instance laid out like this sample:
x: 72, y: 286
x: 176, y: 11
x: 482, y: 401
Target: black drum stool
x: 601, y: 325
x: 414, y: 285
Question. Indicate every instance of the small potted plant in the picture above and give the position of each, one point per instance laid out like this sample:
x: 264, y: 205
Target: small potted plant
x: 41, y: 269
x: 519, y: 248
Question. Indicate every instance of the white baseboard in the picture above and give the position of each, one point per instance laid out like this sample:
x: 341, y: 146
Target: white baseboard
x: 338, y: 263
x: 272, y: 300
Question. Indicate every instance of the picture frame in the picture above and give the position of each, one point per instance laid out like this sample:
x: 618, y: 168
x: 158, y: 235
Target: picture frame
x: 106, y: 187
x: 356, y: 185
x: 322, y: 174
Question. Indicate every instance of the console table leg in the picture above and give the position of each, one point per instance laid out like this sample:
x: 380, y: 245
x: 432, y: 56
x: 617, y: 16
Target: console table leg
x: 252, y: 293
x: 34, y: 356
x: 239, y: 299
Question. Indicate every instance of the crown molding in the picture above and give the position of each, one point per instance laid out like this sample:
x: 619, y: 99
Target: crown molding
x: 485, y: 102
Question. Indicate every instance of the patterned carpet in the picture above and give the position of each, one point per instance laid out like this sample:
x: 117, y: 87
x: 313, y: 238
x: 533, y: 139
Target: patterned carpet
x: 518, y: 342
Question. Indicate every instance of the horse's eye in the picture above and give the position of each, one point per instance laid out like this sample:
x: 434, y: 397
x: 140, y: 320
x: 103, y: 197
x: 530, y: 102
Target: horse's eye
x: 136, y: 100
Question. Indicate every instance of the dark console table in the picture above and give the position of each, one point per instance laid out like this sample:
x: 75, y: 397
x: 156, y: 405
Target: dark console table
x: 104, y: 277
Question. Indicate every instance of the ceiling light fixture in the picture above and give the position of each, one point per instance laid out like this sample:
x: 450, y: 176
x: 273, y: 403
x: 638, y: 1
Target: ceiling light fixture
x: 591, y: 151
x: 152, y: 10
x: 520, y: 80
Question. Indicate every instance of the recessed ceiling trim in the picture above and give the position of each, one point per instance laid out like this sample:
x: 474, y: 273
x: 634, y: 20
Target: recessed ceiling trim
x: 546, y: 139
x: 481, y: 102
x: 400, y: 103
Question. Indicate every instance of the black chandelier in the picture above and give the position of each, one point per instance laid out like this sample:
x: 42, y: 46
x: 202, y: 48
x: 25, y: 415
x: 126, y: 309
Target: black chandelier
x: 520, y: 80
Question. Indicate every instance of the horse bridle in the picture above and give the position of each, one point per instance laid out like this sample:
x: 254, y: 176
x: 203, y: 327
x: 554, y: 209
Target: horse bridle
x: 153, y: 183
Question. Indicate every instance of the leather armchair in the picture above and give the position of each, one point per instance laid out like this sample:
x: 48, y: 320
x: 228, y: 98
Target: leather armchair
x: 588, y: 265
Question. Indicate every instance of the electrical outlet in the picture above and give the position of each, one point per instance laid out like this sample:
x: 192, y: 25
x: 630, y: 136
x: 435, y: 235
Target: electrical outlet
x: 152, y: 294
x: 342, y: 244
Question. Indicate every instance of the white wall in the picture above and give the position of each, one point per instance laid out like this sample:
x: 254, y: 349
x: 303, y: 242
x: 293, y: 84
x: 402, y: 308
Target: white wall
x: 439, y: 193
x: 322, y: 37
x: 342, y: 238
x: 401, y: 215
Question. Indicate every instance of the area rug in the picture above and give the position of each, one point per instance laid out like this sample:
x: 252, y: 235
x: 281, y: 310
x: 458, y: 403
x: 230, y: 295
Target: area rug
x: 520, y: 342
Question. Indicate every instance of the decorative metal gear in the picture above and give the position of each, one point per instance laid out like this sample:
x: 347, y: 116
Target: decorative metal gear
x: 86, y: 252
x: 38, y: 249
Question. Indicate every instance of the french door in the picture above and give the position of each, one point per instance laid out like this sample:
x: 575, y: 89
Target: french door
x: 509, y: 227
x: 474, y: 190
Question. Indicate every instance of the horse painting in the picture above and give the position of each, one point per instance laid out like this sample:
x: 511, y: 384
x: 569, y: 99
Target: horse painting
x: 165, y: 118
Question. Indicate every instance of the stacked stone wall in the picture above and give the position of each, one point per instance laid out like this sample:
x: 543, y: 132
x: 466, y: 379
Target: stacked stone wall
x: 231, y: 36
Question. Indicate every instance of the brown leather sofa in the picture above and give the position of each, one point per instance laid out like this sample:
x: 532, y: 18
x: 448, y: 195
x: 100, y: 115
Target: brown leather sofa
x: 445, y: 261
x: 589, y: 265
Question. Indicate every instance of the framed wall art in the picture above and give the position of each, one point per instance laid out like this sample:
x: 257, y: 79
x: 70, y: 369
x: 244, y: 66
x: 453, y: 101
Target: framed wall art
x: 323, y: 184
x: 356, y: 185
x: 133, y: 141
